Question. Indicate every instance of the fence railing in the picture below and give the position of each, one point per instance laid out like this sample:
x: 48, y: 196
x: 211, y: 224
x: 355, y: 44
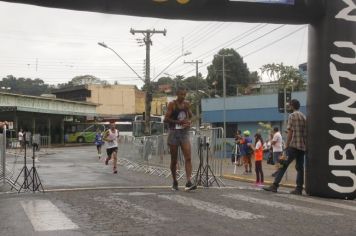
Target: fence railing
x: 41, y: 143
x: 6, y: 175
x: 151, y: 154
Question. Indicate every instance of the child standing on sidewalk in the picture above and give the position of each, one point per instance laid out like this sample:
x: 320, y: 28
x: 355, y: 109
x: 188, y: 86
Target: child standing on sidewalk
x: 258, y: 159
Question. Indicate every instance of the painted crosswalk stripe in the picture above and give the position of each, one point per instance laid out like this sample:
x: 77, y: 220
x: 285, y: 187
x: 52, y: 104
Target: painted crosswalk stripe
x: 45, y: 216
x: 133, y: 211
x: 210, y: 207
x: 136, y: 194
x: 283, y: 206
x: 318, y: 201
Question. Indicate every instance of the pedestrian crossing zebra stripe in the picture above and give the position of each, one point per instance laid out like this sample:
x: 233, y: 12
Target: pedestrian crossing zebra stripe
x: 212, y: 208
x: 45, y: 216
x: 283, y: 206
x: 318, y: 201
x: 134, y: 211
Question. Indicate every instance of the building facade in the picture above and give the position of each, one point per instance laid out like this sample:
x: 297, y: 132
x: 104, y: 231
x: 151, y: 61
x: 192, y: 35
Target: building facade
x: 42, y: 115
x: 110, y: 99
x: 246, y: 112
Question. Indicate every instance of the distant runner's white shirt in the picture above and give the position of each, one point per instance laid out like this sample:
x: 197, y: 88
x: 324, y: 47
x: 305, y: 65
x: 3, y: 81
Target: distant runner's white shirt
x: 20, y: 136
x: 277, y: 147
x: 112, y: 139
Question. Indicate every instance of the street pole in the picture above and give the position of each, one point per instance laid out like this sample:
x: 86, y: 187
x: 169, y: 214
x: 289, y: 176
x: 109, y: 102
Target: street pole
x: 224, y: 95
x: 148, y: 98
x: 196, y: 62
x: 122, y: 59
x: 285, y: 110
x: 224, y: 99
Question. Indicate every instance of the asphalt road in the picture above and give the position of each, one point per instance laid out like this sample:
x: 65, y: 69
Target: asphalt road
x: 83, y: 197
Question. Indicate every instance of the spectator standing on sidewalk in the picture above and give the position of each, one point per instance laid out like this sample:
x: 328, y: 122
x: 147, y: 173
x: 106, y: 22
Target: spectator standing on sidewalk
x: 2, y: 124
x: 295, y: 148
x: 247, y: 152
x: 258, y: 150
x: 20, y: 138
x: 110, y: 137
x: 237, y: 149
x: 178, y: 117
x: 277, y: 148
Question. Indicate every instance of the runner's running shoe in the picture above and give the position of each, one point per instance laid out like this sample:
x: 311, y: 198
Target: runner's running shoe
x: 189, y: 186
x: 175, y: 185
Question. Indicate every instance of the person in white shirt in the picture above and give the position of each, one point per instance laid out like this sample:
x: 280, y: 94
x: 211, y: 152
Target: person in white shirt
x: 277, y: 147
x: 3, y: 123
x: 110, y: 137
x: 20, y: 138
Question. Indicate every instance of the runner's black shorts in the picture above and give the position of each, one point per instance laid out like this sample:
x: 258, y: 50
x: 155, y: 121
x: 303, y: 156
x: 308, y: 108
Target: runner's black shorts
x: 109, y: 151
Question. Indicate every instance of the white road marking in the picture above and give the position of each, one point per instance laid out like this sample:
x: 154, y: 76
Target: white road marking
x: 210, y: 207
x: 318, y: 201
x: 133, y: 211
x: 253, y: 188
x: 134, y: 194
x: 284, y: 206
x: 45, y: 216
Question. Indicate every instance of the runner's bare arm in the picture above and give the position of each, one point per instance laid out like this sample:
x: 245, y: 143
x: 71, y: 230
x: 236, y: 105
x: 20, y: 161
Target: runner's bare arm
x: 167, y: 117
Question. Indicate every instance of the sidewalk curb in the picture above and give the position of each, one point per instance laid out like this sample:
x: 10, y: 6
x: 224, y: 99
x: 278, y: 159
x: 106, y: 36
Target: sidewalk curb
x: 248, y: 180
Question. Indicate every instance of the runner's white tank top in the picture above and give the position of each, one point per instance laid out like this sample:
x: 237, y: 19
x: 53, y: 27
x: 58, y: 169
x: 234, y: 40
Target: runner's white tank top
x: 112, y: 137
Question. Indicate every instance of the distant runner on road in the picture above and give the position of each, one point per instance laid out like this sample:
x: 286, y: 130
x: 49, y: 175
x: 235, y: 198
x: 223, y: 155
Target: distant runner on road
x: 110, y: 137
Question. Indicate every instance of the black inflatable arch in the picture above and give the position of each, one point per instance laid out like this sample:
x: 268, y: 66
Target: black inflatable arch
x: 331, y: 102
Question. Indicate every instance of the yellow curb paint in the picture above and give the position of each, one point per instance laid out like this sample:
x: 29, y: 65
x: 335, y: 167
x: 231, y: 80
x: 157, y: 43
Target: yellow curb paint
x: 238, y: 178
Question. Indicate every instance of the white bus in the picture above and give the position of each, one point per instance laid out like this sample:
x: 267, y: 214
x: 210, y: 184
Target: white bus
x: 124, y: 127
x: 157, y: 125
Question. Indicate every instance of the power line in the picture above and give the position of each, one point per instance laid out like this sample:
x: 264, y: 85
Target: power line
x: 273, y: 42
x: 251, y: 41
x: 231, y: 41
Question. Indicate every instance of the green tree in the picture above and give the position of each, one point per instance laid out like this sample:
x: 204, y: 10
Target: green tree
x: 25, y: 86
x: 287, y: 76
x: 173, y: 82
x: 83, y: 79
x: 192, y: 83
x: 237, y: 73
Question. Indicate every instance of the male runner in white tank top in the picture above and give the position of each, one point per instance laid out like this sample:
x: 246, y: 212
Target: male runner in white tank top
x: 110, y: 137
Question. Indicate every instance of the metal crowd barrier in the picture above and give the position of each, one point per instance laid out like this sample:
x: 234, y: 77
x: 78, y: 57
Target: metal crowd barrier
x: 6, y: 175
x: 44, y: 143
x: 150, y: 154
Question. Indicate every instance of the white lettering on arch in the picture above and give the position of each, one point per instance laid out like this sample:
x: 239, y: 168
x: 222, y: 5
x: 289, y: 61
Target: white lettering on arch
x: 341, y: 189
x: 336, y: 86
x: 342, y: 151
x: 346, y: 60
x: 343, y: 136
x: 345, y: 13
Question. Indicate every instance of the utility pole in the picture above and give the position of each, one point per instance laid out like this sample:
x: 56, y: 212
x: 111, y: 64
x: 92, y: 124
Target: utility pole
x: 196, y: 62
x: 148, y: 99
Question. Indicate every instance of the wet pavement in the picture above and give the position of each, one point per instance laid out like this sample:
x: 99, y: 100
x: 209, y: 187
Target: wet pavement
x: 83, y: 197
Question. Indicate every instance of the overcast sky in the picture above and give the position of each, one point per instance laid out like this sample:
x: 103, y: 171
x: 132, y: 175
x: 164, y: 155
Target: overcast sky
x: 56, y: 45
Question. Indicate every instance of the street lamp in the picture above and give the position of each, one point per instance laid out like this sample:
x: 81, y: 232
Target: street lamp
x: 203, y: 92
x: 182, y: 55
x: 106, y: 46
